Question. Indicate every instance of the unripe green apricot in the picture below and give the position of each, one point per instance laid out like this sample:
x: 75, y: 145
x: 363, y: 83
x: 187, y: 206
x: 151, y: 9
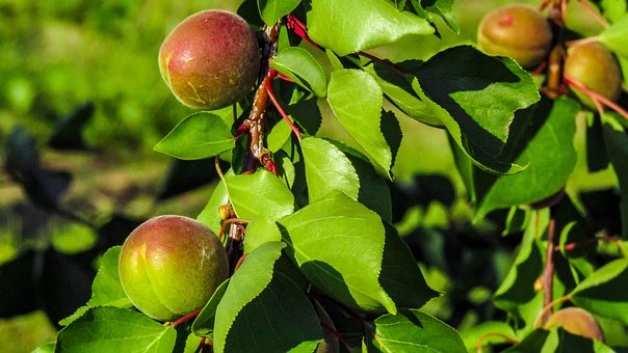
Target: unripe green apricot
x: 576, y: 321
x: 518, y: 32
x: 593, y: 66
x: 210, y: 60
x: 170, y: 266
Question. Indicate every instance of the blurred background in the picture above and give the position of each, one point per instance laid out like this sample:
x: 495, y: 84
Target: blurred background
x: 82, y: 98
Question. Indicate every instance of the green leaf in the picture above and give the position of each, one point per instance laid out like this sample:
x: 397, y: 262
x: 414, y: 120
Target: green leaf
x: 260, y: 231
x: 111, y: 329
x: 615, y: 37
x: 273, y: 10
x: 278, y: 136
x: 260, y: 194
x: 443, y: 8
x: 603, y: 292
x: 350, y: 26
x: 320, y: 235
x: 398, y: 89
x: 106, y: 287
x: 488, y: 332
x: 534, y: 342
x: 199, y: 135
x: 476, y: 101
x: 356, y: 100
x: 301, y: 66
x: 210, y: 215
x: 265, y: 308
x: 203, y: 325
x: 543, y: 139
x: 518, y: 286
x: 327, y: 168
x: 330, y: 167
x: 616, y: 141
x: 414, y: 331
x: 346, y: 251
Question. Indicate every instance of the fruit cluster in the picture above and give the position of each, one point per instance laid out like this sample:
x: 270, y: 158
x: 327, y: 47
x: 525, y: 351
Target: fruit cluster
x: 528, y: 36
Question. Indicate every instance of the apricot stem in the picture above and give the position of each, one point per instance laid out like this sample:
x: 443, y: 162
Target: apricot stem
x: 184, y: 318
x: 300, y: 29
x: 597, y: 98
x: 282, y: 112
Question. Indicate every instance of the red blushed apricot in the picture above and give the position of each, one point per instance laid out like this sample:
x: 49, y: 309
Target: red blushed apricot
x: 210, y: 60
x: 518, y: 32
x: 170, y: 266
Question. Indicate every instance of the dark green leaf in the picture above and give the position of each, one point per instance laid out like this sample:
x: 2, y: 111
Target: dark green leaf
x: 616, y: 141
x: 476, y: 101
x: 203, y: 325
x: 543, y: 139
x: 518, y: 286
x: 264, y: 308
x: 273, y: 10
x: 533, y: 342
x: 301, y: 66
x: 603, y: 293
x: 356, y: 100
x: 111, y: 329
x: 199, y: 135
x: 414, y: 331
x: 352, y: 25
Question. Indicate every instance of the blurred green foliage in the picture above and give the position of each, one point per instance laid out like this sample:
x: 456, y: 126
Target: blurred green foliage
x: 54, y: 55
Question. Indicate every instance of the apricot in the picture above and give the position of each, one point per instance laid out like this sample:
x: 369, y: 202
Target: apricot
x: 516, y: 31
x: 576, y: 321
x: 170, y: 266
x: 210, y: 60
x: 595, y: 67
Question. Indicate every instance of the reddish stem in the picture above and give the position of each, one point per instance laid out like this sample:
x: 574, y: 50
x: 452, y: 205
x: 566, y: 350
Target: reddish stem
x: 282, y: 112
x: 597, y: 98
x: 184, y: 319
x: 300, y: 29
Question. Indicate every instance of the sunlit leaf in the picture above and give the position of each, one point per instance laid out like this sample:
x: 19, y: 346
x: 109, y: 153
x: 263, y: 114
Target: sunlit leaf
x: 264, y: 307
x: 414, y: 331
x: 476, y: 101
x: 379, y: 271
x: 111, y: 329
x: 615, y: 37
x: 200, y: 135
x: 301, y: 66
x: 371, y: 23
x: 542, y: 139
x: 260, y: 194
x: 602, y: 292
x: 273, y: 10
x: 356, y: 100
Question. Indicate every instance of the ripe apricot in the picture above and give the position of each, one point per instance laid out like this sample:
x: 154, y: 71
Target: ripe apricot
x: 210, y: 60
